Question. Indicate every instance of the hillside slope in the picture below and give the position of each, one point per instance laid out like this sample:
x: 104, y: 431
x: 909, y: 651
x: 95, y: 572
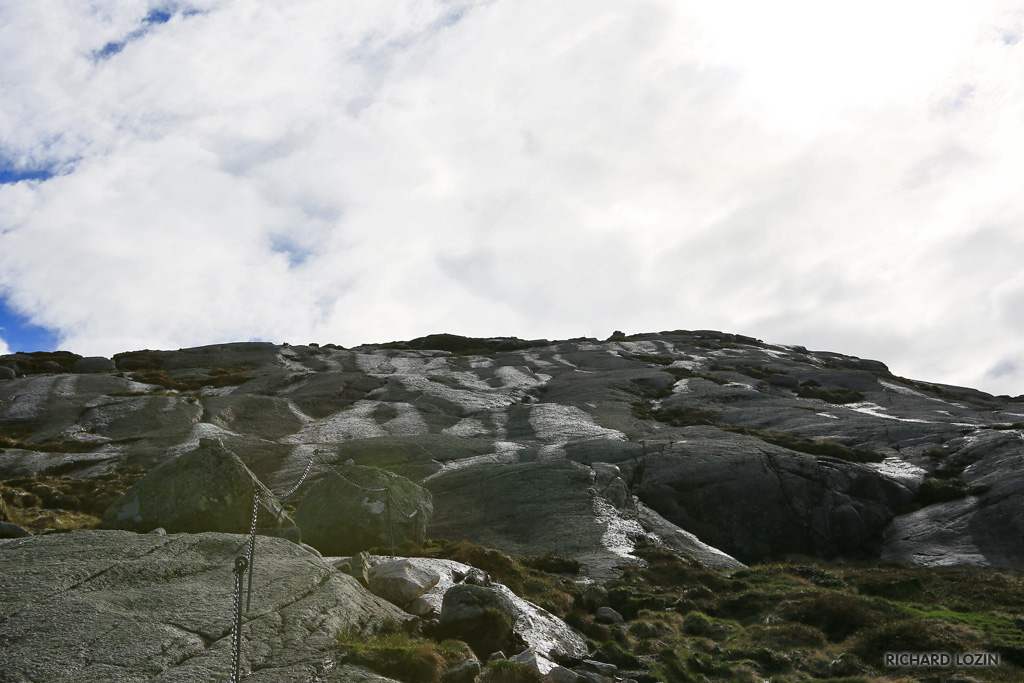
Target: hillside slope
x: 578, y: 447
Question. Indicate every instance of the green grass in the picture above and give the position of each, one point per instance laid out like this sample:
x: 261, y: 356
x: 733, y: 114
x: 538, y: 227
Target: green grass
x: 408, y: 658
x: 47, y: 502
x: 752, y: 371
x: 786, y: 622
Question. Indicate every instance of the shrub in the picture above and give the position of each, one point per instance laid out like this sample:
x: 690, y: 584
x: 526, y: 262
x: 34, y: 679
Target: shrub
x: 404, y: 657
x: 613, y: 653
x: 697, y: 624
x: 934, y: 490
x: 915, y: 635
x: 651, y: 624
x: 785, y: 636
x: 552, y: 564
x: 837, y: 615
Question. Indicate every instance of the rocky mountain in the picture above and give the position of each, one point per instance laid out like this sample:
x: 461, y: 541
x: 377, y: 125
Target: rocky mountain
x: 576, y: 447
x: 727, y: 449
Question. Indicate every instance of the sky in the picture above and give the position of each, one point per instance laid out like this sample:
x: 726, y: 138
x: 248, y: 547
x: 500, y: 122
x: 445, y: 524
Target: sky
x: 846, y: 176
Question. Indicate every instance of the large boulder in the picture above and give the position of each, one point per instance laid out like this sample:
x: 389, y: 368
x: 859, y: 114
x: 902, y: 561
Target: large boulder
x: 548, y: 635
x: 206, y: 489
x: 116, y: 606
x: 482, y: 616
x: 400, y: 582
x: 345, y: 512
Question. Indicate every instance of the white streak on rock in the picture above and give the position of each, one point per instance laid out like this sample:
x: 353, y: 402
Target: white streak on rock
x: 900, y: 470
x: 554, y: 422
x: 355, y: 423
x: 467, y: 427
x: 875, y: 410
x: 506, y: 453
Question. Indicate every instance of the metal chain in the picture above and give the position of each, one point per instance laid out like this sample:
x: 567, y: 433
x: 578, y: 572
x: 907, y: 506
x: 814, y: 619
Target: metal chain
x: 346, y: 479
x: 247, y: 561
x: 408, y: 516
x: 250, y: 555
x: 236, y: 641
x: 309, y: 465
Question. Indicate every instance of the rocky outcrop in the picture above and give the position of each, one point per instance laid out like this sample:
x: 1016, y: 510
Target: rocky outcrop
x: 757, y: 501
x: 357, y: 508
x: 831, y: 447
x: 554, y: 506
x: 586, y: 512
x: 982, y: 518
x: 207, y: 489
x: 91, y: 364
x: 117, y: 606
x: 550, y: 637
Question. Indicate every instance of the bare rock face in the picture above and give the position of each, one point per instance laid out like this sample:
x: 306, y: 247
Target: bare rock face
x: 794, y: 450
x: 400, y: 582
x: 755, y: 500
x: 585, y: 512
x: 360, y: 507
x: 116, y: 606
x: 207, y: 489
x: 91, y: 364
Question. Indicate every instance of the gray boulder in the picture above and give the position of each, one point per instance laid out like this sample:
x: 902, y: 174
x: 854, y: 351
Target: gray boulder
x: 548, y: 635
x: 206, y: 489
x: 606, y: 615
x: 7, y: 372
x: 8, y: 530
x: 91, y: 364
x: 342, y: 514
x: 116, y: 606
x: 483, y: 617
x: 400, y: 582
x: 462, y: 673
x: 560, y: 674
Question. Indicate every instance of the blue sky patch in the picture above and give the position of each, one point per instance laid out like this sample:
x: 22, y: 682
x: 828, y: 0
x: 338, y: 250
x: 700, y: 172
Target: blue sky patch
x: 21, y: 335
x: 155, y: 17
x: 10, y: 175
x: 158, y: 16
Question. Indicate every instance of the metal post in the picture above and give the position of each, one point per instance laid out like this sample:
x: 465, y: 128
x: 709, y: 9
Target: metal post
x: 391, y: 526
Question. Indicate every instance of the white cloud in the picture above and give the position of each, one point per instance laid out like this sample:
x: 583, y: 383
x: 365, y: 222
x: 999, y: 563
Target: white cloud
x: 351, y: 172
x: 4, y: 348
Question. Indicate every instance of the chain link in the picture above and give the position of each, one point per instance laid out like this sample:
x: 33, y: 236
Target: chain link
x: 346, y: 479
x: 309, y: 465
x: 250, y: 555
x: 236, y: 640
x: 246, y: 562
